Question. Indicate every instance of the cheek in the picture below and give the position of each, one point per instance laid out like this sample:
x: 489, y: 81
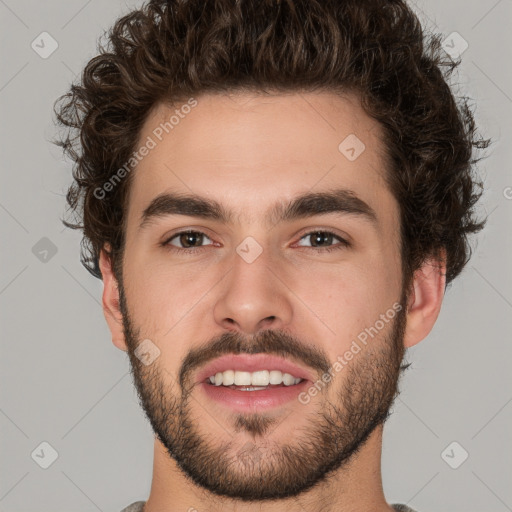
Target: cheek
x: 347, y: 300
x: 148, y: 295
x: 166, y: 299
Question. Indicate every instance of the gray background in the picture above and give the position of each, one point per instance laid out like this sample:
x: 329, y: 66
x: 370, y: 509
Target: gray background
x: 63, y: 382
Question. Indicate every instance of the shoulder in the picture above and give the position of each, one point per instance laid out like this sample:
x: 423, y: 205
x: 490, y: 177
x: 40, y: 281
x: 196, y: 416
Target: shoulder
x: 402, y: 508
x: 138, y: 506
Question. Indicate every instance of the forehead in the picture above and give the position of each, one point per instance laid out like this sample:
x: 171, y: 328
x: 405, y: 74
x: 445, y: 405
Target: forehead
x: 250, y: 151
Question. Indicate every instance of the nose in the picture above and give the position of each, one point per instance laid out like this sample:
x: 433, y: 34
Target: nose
x: 253, y: 296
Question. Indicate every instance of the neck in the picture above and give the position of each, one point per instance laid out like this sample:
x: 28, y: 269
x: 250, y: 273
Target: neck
x: 356, y: 487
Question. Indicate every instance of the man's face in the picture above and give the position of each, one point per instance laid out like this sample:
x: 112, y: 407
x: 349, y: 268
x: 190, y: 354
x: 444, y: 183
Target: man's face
x: 256, y: 285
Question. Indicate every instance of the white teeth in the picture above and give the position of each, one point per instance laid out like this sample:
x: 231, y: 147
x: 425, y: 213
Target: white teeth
x: 241, y: 378
x: 228, y: 377
x: 288, y: 380
x: 259, y: 379
x: 276, y: 377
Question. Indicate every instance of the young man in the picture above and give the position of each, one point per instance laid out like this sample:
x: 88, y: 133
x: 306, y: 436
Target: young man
x: 276, y: 195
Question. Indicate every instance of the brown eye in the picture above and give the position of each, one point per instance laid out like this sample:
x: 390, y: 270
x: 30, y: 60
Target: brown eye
x: 322, y: 240
x: 187, y: 240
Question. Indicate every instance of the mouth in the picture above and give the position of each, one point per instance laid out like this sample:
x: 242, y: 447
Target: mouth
x: 253, y: 382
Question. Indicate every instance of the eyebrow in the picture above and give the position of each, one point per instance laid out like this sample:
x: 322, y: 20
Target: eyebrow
x: 310, y: 204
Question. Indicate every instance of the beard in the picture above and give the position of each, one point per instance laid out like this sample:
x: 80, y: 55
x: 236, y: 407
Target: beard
x: 258, y: 468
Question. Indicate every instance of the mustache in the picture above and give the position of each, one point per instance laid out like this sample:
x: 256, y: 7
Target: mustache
x: 269, y: 341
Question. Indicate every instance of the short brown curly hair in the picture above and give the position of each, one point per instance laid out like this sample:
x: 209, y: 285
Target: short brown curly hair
x: 173, y: 49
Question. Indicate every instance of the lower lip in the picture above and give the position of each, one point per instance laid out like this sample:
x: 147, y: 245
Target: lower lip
x: 249, y: 401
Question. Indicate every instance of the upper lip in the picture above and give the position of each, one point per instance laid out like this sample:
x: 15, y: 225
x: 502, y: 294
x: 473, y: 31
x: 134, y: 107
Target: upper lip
x: 252, y: 363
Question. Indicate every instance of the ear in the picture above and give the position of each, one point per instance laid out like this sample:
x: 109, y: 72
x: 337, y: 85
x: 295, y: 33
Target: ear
x: 110, y: 300
x: 426, y: 297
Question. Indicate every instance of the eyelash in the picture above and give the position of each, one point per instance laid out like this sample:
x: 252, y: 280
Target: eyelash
x: 343, y: 243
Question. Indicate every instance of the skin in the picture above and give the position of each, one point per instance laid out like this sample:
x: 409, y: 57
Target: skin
x: 249, y: 152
